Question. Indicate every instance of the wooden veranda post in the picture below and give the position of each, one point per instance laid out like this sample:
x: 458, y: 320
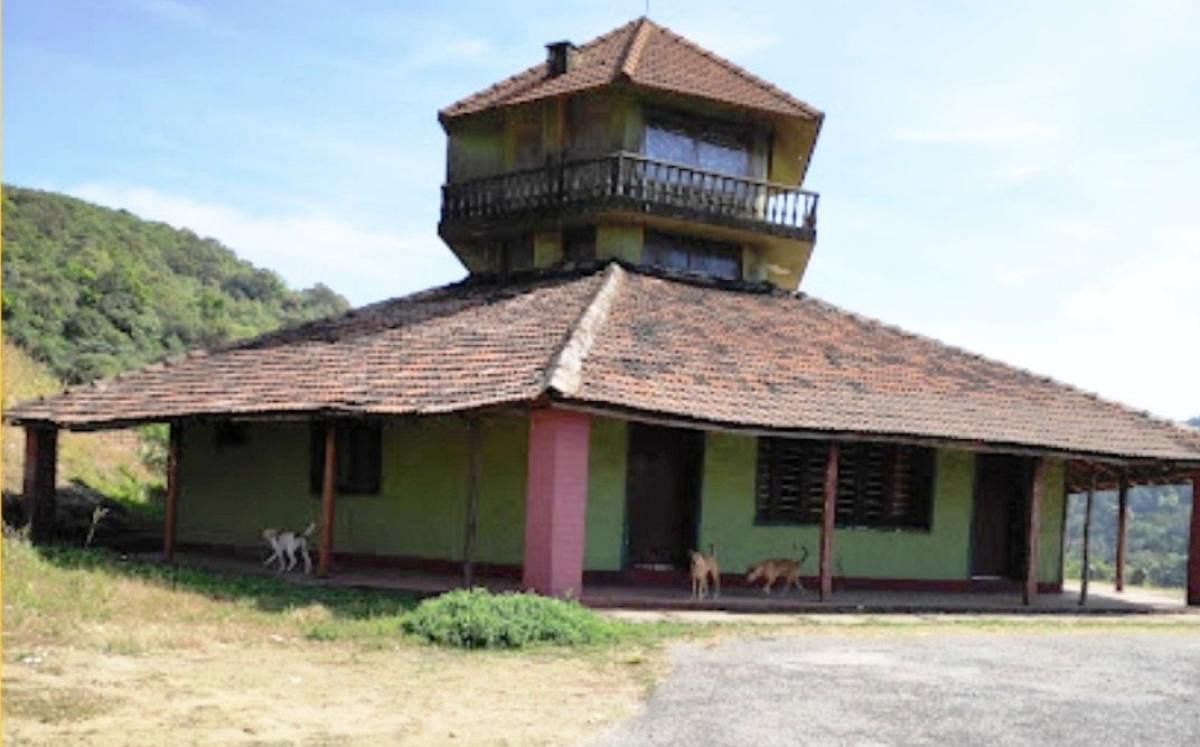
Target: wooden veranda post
x: 1122, y: 517
x: 170, y: 514
x: 828, y: 513
x: 1193, y: 563
x: 328, y: 483
x: 41, y: 473
x: 1085, y: 571
x: 1033, y: 527
x: 474, y: 470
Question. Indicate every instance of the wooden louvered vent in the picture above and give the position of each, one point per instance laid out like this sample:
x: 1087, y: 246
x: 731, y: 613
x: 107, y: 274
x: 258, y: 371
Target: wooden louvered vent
x: 879, y: 484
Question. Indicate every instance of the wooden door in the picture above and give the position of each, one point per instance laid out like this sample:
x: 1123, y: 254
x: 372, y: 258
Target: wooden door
x: 663, y: 493
x: 998, y: 525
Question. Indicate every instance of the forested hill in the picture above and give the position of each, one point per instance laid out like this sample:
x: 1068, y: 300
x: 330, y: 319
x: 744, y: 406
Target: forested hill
x: 92, y: 291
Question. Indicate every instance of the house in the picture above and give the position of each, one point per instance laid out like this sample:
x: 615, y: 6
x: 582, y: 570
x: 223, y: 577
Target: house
x: 629, y: 371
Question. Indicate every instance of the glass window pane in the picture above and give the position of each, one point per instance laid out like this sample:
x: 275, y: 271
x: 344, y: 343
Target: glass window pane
x: 670, y: 145
x: 723, y: 158
x: 674, y: 252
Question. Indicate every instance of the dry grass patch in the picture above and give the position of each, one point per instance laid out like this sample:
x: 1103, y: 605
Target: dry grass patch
x: 100, y: 651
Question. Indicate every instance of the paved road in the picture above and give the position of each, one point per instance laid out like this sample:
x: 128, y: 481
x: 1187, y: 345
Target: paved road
x: 1103, y: 686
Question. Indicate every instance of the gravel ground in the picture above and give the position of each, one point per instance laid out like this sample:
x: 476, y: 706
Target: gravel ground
x: 1105, y: 686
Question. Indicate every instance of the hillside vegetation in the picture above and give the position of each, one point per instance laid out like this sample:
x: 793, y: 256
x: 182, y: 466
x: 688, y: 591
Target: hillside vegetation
x: 92, y: 291
x: 110, y: 462
x: 1156, y: 535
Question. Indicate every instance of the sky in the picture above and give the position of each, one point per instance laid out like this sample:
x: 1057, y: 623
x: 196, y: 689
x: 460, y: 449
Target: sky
x: 1021, y: 179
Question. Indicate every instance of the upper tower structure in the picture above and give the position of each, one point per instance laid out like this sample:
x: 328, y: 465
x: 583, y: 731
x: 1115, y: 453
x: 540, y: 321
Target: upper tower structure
x: 638, y: 145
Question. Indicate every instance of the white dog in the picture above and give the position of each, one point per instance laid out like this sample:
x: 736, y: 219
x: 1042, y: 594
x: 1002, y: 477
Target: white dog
x: 285, y: 545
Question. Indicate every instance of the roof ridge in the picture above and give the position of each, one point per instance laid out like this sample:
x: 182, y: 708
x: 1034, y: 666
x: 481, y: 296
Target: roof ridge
x: 1178, y: 429
x: 743, y: 73
x: 637, y: 43
x: 565, y: 373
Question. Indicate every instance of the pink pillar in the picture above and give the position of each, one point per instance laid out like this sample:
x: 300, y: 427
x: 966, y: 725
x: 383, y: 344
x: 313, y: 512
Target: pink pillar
x: 555, y: 501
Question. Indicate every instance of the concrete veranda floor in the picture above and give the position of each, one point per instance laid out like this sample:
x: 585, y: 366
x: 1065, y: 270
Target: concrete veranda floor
x: 1102, y: 598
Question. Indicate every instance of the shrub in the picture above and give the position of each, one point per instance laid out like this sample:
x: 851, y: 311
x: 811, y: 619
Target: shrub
x: 476, y: 618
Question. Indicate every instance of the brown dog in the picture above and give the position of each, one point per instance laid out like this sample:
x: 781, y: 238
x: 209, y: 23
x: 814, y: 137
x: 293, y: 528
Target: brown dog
x: 705, y: 567
x: 771, y: 569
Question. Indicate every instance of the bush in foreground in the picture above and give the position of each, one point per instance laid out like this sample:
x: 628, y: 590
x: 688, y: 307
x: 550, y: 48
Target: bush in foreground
x: 476, y: 618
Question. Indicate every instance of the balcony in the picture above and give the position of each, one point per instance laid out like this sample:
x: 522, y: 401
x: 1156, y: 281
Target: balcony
x: 630, y: 183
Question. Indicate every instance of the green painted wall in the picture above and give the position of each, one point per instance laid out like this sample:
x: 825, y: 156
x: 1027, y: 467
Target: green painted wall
x: 475, y: 148
x: 943, y: 552
x: 547, y: 248
x: 1050, y: 545
x: 619, y: 241
x: 605, y: 537
x: 228, y: 495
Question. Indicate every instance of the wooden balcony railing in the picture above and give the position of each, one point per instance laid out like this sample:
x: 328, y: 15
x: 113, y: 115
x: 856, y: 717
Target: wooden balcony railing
x: 629, y: 181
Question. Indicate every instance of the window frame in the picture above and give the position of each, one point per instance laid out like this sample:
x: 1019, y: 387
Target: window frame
x: 790, y: 474
x: 359, y: 441
x: 706, y: 250
x: 701, y: 129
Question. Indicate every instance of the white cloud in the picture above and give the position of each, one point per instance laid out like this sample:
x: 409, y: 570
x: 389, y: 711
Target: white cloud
x: 362, y: 263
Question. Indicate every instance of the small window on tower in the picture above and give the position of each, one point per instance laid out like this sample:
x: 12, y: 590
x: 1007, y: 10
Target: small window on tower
x: 579, y: 244
x: 515, y: 253
x: 718, y: 259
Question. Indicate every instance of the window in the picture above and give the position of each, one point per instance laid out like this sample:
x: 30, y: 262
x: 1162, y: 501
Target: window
x: 879, y: 485
x: 510, y: 253
x: 700, y: 256
x: 702, y: 144
x: 579, y: 244
x: 358, y: 457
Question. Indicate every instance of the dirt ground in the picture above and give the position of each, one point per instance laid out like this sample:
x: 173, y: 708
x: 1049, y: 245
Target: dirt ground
x: 299, y: 692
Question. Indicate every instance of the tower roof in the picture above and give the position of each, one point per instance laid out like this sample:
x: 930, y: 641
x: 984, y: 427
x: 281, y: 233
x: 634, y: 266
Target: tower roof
x: 644, y: 54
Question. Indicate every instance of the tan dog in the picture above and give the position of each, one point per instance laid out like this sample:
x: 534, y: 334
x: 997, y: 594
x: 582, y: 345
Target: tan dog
x: 771, y: 569
x: 705, y: 567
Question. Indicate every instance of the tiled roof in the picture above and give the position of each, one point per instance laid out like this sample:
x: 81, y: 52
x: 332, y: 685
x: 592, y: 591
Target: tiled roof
x: 633, y: 341
x: 640, y: 53
x: 456, y: 348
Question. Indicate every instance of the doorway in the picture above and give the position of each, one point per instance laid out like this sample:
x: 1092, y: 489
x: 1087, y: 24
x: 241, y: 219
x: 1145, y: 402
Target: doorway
x: 998, y: 523
x: 663, y: 496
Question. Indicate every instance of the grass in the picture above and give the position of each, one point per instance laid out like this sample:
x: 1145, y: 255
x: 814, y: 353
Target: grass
x: 99, y: 649
x: 54, y: 591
